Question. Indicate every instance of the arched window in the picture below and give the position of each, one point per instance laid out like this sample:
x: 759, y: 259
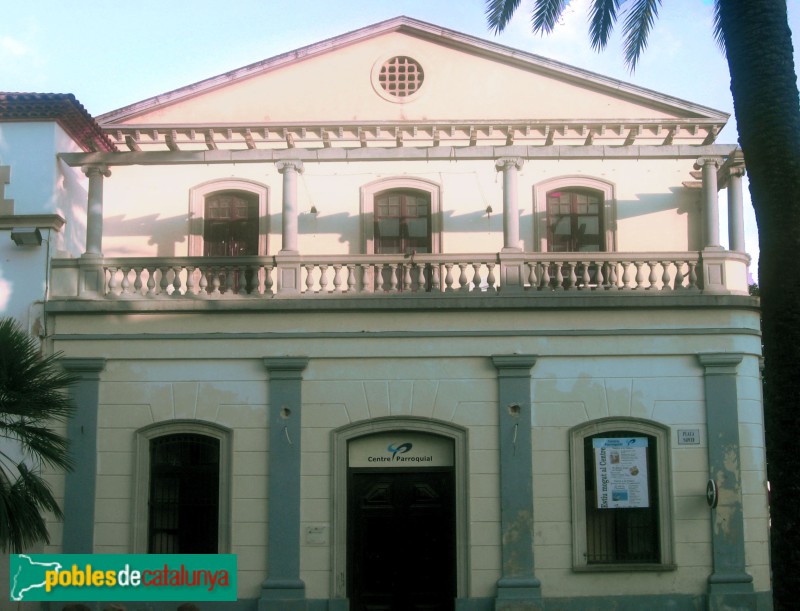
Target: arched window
x: 401, y: 215
x: 402, y: 222
x: 228, y: 218
x: 182, y: 489
x: 574, y: 214
x: 183, y: 503
x: 231, y: 224
x: 575, y: 220
x: 621, y: 494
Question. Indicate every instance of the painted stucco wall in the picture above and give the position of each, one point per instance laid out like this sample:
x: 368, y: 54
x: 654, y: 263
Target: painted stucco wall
x: 209, y: 367
x: 147, y: 208
x: 39, y: 184
x: 339, y: 87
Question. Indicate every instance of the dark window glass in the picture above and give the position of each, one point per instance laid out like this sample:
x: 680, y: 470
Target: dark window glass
x: 402, y: 222
x: 230, y: 227
x: 575, y: 221
x: 183, y: 507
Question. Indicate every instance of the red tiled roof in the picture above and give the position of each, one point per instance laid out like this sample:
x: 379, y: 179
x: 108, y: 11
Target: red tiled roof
x: 63, y: 108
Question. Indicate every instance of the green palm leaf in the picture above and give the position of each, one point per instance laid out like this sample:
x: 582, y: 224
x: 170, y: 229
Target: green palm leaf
x: 32, y: 398
x: 638, y: 23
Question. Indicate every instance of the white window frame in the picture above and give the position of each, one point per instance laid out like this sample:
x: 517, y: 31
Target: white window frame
x: 661, y: 433
x: 370, y: 190
x: 197, y: 207
x: 541, y: 190
x: 142, y: 477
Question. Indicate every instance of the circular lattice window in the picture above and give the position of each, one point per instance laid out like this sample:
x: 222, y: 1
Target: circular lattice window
x: 401, y: 76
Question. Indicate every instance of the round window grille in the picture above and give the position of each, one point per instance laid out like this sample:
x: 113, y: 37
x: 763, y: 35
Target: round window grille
x: 401, y: 76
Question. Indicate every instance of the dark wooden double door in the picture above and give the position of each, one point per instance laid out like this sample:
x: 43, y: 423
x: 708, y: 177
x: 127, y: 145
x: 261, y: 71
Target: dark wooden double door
x: 401, y: 540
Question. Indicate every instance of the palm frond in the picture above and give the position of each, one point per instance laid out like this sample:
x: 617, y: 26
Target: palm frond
x: 32, y: 397
x: 546, y: 14
x: 602, y: 17
x: 719, y: 37
x: 499, y: 13
x: 638, y: 23
x: 21, y: 504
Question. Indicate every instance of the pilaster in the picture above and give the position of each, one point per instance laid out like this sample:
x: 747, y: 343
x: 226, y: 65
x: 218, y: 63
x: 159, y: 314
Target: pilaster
x: 283, y: 590
x: 729, y: 585
x: 518, y: 588
x: 81, y: 483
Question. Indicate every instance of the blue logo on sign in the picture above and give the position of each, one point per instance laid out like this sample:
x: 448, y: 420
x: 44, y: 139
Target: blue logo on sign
x: 401, y: 449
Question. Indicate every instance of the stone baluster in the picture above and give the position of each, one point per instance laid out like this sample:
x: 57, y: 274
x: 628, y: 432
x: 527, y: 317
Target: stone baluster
x: 476, y: 276
x: 652, y: 279
x: 190, y: 285
x: 665, y: 280
x: 435, y: 282
x: 151, y: 281
x: 491, y: 281
x: 448, y: 278
x: 323, y: 279
x: 309, y: 279
x: 463, y: 281
x: 351, y: 278
x: 544, y: 282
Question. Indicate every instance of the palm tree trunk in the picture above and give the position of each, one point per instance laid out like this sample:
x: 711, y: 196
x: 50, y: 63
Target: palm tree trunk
x: 767, y: 108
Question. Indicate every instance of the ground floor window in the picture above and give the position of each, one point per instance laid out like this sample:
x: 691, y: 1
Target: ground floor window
x: 621, y: 494
x: 182, y: 488
x: 183, y: 515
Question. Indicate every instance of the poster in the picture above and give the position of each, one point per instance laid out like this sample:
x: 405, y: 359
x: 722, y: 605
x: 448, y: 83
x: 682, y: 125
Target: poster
x: 621, y: 472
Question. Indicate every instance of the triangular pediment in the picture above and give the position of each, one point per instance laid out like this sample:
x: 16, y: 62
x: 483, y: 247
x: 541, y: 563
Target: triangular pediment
x: 460, y: 83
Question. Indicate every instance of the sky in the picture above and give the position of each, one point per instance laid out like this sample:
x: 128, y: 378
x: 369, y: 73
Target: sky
x: 111, y: 53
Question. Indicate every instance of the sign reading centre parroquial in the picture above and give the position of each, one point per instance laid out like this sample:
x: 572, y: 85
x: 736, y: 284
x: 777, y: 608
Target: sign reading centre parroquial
x: 400, y: 449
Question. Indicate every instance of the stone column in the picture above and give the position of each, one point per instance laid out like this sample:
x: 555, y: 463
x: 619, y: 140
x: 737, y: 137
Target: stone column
x: 283, y: 590
x: 288, y: 258
x: 80, y: 484
x: 709, y: 166
x: 512, y: 276
x: 729, y: 586
x: 289, y: 169
x: 518, y: 589
x: 94, y: 209
x: 735, y: 210
x: 510, y: 166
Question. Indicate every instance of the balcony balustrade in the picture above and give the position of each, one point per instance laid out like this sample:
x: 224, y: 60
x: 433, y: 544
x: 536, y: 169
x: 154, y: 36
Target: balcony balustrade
x: 320, y: 276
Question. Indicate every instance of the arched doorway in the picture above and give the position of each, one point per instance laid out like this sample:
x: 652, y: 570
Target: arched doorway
x: 400, y: 539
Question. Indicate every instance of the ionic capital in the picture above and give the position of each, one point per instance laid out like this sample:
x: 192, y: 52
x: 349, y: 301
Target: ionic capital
x: 506, y: 163
x: 736, y: 171
x: 289, y: 164
x: 704, y: 161
x: 96, y: 170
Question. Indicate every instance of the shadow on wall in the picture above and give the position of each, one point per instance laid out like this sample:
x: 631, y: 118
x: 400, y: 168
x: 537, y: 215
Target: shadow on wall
x: 73, y: 198
x: 164, y: 233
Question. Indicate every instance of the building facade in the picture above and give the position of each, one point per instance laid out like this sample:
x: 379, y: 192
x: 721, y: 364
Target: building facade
x: 406, y: 319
